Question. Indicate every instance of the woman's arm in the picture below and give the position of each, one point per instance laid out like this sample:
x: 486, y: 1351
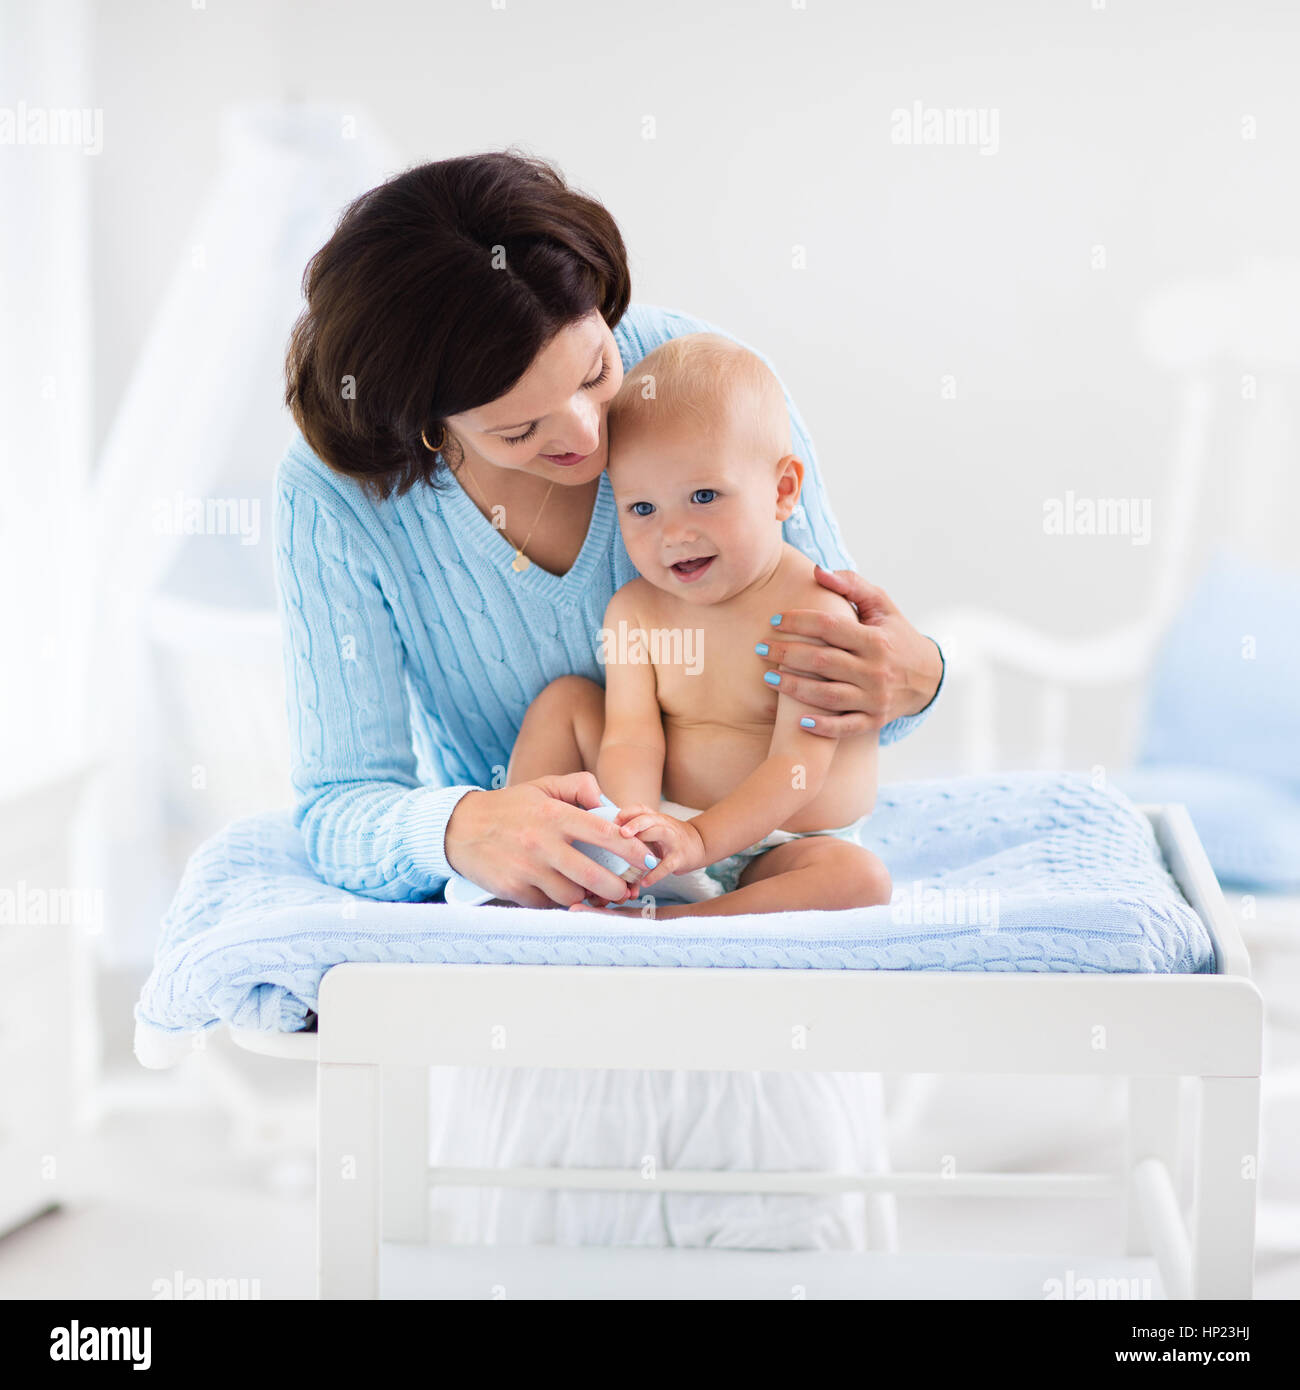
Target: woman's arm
x: 888, y: 679
x: 367, y: 823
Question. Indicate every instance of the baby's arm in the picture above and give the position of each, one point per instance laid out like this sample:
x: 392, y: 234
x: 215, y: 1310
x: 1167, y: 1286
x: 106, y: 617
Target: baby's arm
x: 787, y: 779
x: 630, y: 766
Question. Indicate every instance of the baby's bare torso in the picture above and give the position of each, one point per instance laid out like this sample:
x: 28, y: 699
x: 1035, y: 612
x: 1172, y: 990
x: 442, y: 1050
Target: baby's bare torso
x: 718, y: 712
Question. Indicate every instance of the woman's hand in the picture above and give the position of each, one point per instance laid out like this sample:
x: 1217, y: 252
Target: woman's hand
x: 677, y: 843
x: 874, y: 668
x: 517, y: 842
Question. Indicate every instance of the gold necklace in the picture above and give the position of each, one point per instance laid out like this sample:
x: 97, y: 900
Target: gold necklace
x: 521, y: 561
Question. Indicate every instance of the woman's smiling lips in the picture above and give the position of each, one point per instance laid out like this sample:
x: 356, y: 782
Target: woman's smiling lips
x: 688, y: 571
x: 565, y: 460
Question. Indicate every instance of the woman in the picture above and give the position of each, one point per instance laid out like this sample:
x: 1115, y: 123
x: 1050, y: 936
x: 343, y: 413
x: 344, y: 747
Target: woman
x: 446, y: 545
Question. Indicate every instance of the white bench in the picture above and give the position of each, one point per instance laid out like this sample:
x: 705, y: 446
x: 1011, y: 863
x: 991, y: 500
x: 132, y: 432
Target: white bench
x: 380, y: 1027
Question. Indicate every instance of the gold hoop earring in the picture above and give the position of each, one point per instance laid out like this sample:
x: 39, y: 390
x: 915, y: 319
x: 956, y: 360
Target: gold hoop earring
x: 442, y: 440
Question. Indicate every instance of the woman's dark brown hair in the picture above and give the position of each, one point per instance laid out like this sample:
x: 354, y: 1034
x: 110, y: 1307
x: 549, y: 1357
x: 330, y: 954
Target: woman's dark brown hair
x: 433, y: 296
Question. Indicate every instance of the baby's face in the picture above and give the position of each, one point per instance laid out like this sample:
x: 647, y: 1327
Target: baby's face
x: 700, y: 514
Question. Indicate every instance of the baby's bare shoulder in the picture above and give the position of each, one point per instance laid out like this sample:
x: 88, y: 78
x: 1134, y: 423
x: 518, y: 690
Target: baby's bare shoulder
x: 801, y: 590
x: 634, y: 602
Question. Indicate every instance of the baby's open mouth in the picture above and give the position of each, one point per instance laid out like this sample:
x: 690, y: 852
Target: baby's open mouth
x: 688, y: 570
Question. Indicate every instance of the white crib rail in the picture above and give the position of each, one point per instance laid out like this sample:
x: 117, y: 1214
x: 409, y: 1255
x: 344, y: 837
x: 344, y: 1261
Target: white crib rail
x: 1243, y: 328
x: 980, y: 644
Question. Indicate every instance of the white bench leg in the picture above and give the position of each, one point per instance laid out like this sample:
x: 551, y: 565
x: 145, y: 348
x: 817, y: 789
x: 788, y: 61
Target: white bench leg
x: 1154, y: 1131
x: 406, y: 1154
x: 347, y: 1180
x: 1227, y: 1160
x: 882, y: 1223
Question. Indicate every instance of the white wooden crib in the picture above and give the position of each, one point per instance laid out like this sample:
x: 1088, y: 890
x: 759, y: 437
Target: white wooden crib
x: 382, y: 1026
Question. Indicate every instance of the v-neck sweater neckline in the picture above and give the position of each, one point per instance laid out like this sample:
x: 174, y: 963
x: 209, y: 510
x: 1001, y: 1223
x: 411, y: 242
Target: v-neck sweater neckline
x: 492, y: 545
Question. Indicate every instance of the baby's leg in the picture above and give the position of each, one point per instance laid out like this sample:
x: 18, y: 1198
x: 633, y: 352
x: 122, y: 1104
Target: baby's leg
x: 820, y: 873
x: 561, y: 731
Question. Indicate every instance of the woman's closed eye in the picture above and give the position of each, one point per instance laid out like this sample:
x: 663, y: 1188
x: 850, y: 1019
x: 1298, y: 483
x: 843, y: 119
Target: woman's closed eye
x: 586, y: 386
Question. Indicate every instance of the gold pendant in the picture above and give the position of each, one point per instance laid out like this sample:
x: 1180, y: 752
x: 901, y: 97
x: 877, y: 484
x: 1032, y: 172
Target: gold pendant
x: 520, y: 563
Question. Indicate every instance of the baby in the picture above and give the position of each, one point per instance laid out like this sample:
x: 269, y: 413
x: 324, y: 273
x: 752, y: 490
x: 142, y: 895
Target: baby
x: 710, y: 765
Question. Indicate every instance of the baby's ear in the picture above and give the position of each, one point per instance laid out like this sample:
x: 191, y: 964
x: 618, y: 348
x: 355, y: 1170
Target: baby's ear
x: 789, y: 484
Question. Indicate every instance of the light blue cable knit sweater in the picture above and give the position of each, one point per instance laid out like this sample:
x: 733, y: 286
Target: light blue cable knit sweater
x: 412, y: 649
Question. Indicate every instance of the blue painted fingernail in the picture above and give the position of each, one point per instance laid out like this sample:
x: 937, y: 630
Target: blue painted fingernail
x: 776, y: 620
x: 650, y: 861
x: 807, y: 723
x: 773, y: 678
x: 761, y: 649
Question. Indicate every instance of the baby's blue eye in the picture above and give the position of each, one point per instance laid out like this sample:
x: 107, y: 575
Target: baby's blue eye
x: 703, y: 494
x: 636, y: 508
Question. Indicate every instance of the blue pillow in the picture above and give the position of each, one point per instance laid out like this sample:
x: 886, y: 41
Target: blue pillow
x: 1250, y: 828
x: 1225, y: 691
x: 1220, y: 727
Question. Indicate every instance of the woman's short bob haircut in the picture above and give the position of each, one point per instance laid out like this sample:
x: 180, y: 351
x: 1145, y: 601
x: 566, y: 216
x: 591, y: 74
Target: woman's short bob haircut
x: 433, y: 296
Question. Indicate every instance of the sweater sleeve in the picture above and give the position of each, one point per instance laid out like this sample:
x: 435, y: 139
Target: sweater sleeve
x: 812, y: 529
x: 367, y: 823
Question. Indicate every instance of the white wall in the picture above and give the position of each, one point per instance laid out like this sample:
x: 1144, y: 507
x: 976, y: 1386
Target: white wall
x: 1119, y: 127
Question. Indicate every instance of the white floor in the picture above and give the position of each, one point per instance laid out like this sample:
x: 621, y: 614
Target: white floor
x: 168, y: 1191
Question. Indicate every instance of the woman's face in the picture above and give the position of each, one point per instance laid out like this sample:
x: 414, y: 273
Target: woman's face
x: 552, y: 421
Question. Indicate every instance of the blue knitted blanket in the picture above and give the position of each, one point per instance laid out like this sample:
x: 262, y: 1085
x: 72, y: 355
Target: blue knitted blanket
x: 1025, y: 871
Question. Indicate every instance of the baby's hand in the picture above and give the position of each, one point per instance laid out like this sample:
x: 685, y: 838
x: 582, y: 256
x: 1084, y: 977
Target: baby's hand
x: 678, y: 844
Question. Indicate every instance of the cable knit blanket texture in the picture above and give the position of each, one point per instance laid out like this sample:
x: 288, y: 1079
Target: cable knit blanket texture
x: 1022, y: 871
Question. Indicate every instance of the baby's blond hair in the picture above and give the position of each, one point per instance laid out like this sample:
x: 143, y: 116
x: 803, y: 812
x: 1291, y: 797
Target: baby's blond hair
x: 699, y: 377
